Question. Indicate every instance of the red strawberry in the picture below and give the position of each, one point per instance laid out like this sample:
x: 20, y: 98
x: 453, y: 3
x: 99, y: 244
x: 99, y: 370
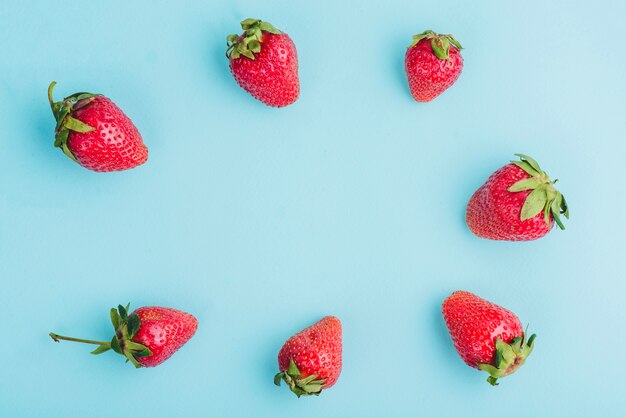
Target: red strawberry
x: 517, y: 203
x: 433, y: 63
x: 95, y: 133
x: 264, y: 62
x: 311, y: 360
x: 486, y: 336
x: 147, y: 337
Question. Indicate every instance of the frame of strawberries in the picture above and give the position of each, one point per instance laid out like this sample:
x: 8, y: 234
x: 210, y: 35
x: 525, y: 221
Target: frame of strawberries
x: 518, y: 202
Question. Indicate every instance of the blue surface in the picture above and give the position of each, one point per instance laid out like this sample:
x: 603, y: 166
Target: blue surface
x: 351, y: 202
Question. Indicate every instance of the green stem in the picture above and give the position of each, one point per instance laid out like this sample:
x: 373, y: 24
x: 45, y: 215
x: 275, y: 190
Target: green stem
x: 50, y: 88
x: 57, y: 338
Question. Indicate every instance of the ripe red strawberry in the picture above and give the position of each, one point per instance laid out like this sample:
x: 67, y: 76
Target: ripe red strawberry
x: 517, y: 203
x: 147, y: 337
x: 95, y: 133
x: 264, y: 62
x: 486, y: 336
x: 311, y: 360
x: 432, y: 63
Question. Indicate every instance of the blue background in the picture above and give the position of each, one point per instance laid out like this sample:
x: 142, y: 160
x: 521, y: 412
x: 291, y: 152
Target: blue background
x: 351, y: 202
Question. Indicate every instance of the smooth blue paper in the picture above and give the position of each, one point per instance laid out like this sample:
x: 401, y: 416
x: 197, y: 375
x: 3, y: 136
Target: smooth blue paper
x: 351, y: 202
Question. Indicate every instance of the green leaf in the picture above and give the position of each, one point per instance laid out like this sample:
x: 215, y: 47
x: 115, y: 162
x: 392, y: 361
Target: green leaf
x: 558, y: 221
x: 249, y: 54
x: 133, y: 346
x: 247, y: 23
x: 508, y: 356
x: 115, y: 345
x: 123, y: 312
x: 312, y: 388
x: 73, y: 97
x: 558, y: 207
x: 530, y: 183
x: 268, y: 27
x: 143, y: 353
x: 67, y: 151
x: 133, y: 325
x: 445, y: 44
x: 56, y: 108
x: 101, y: 349
x: 293, y: 369
x: 74, y: 124
x: 115, y: 318
x: 557, y: 202
x: 299, y: 392
x: 82, y: 96
x: 534, y: 203
x: 415, y: 41
x: 527, y: 168
x: 132, y: 359
x: 555, y: 208
x: 530, y: 161
x: 439, y: 49
x: 232, y: 38
x: 254, y: 46
x: 427, y: 34
x: 277, y: 378
x: 564, y: 207
x: 306, y: 380
x: 488, y: 368
x: 454, y: 42
x: 516, y: 345
x: 61, y: 138
x: 551, y: 195
x: 504, y: 355
x: 63, y: 113
x: 498, y: 357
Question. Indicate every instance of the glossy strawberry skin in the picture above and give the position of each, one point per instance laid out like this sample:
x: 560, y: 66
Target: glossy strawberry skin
x: 428, y: 75
x: 494, y: 213
x: 316, y: 350
x: 474, y: 325
x: 114, y: 145
x: 272, y: 77
x: 163, y: 331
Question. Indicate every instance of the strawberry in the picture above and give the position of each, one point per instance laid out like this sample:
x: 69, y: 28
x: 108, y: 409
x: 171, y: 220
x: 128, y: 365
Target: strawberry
x: 311, y: 360
x: 95, y: 133
x: 264, y: 62
x: 486, y: 336
x: 147, y: 337
x: 517, y: 203
x: 432, y: 63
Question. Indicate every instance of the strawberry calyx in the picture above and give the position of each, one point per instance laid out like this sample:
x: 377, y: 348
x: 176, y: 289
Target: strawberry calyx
x: 544, y: 197
x: 508, y: 357
x: 306, y: 386
x: 62, y: 112
x: 250, y: 41
x: 125, y: 329
x: 440, y: 43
